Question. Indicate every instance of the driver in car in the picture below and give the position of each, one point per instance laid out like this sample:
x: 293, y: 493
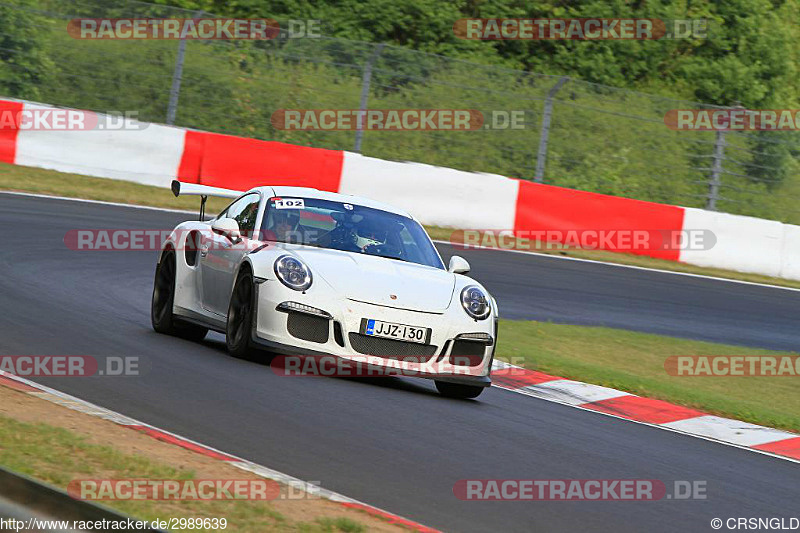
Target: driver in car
x: 357, y: 233
x: 376, y: 237
x: 369, y: 235
x: 284, y: 224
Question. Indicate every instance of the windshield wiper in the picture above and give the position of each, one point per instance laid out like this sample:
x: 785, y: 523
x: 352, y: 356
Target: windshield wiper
x: 388, y: 257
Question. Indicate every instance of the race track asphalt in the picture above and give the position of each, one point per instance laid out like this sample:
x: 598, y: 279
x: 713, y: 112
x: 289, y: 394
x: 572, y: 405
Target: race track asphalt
x: 395, y: 443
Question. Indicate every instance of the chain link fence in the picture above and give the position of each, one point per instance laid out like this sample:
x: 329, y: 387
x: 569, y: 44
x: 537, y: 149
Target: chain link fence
x: 573, y: 134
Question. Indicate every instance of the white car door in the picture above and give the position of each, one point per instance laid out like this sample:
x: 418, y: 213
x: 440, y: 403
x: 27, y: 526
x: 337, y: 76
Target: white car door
x: 220, y: 255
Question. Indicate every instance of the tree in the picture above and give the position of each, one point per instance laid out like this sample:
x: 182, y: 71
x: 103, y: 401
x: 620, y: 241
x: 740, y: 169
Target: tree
x: 24, y: 65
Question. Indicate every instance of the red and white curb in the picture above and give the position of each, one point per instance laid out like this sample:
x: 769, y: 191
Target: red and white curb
x: 76, y: 404
x: 656, y: 413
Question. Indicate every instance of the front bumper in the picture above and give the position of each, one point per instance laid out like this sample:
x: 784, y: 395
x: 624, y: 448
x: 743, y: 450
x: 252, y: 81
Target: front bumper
x: 337, y: 331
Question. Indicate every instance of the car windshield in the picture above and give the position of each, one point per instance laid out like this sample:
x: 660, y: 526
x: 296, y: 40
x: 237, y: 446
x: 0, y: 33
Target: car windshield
x: 348, y: 227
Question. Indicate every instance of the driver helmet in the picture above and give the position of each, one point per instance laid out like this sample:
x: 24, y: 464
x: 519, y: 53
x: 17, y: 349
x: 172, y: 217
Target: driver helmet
x: 370, y: 232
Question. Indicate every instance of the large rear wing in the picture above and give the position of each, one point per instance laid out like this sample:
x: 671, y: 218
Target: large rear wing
x: 203, y: 191
x: 182, y: 189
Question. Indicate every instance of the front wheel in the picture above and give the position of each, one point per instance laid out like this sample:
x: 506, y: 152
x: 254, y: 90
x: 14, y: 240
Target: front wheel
x: 161, y: 316
x: 238, y: 332
x: 457, y: 390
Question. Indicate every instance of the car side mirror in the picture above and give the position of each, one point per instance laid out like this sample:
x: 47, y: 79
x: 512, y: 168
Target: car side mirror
x: 458, y: 265
x: 227, y: 227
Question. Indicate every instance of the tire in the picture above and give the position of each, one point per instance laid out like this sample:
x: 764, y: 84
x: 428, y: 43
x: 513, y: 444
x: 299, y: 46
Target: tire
x: 161, y: 316
x: 456, y: 390
x: 239, y: 328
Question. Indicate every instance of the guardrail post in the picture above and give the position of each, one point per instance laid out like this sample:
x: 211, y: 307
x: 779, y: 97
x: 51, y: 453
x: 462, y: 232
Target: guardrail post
x: 362, y: 105
x: 541, y: 156
x: 177, y: 76
x: 175, y: 90
x: 716, y: 171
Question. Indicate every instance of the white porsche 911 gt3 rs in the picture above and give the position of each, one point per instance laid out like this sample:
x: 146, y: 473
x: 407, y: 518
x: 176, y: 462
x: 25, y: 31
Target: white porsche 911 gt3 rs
x: 300, y: 271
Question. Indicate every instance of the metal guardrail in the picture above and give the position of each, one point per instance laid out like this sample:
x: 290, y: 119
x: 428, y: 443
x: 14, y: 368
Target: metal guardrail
x: 33, y: 502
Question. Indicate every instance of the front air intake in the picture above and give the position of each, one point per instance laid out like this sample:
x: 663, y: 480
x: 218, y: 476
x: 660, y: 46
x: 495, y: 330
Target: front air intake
x: 467, y: 353
x: 308, y: 327
x: 411, y: 352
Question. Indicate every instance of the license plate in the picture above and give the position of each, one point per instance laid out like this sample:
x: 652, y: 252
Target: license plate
x: 400, y: 332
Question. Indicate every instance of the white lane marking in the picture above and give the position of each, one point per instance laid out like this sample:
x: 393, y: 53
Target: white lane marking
x: 729, y: 430
x: 86, y: 408
x: 572, y: 392
x: 280, y: 477
x: 100, y: 202
x: 539, y: 254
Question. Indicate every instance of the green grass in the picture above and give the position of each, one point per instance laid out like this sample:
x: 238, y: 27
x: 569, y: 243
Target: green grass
x: 336, y: 524
x: 634, y: 362
x: 50, y: 182
x: 56, y: 456
x: 41, y: 181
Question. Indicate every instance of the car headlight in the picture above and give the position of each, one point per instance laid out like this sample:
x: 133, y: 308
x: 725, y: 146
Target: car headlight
x: 475, y: 302
x: 293, y: 273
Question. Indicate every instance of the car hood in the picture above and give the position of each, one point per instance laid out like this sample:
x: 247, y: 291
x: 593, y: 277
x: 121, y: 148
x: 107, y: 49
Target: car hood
x: 371, y: 279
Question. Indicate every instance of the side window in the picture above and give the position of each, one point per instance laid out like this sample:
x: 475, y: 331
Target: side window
x: 244, y: 211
